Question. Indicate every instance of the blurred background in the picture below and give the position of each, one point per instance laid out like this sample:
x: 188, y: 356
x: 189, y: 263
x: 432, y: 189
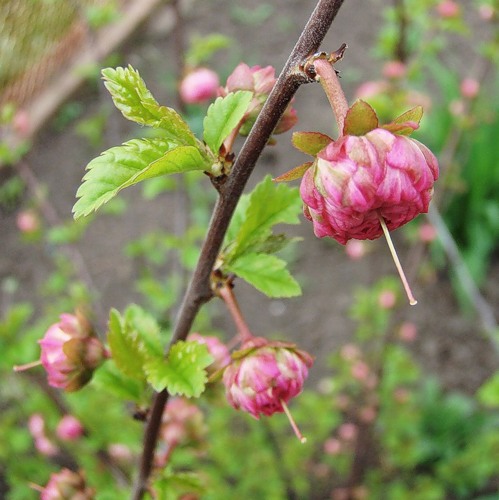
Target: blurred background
x: 404, y: 399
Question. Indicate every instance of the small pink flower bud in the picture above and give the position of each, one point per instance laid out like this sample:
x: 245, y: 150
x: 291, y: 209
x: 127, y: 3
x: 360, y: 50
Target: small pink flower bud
x: 348, y: 431
x: 260, y: 81
x: 457, y: 107
x: 45, y: 446
x: 357, y: 180
x: 69, y: 428
x: 28, y: 221
x: 401, y: 395
x: 372, y: 89
x: 408, y: 332
x: 217, y: 349
x: 486, y: 12
x: 332, y: 446
x: 265, y: 375
x: 199, y: 85
x: 120, y: 452
x: 36, y: 425
x: 394, y: 69
x: 360, y: 371
x: 21, y: 123
x: 182, y: 422
x: 350, y: 352
x: 355, y: 249
x: 448, y: 8
x: 387, y: 299
x: 469, y: 88
x: 427, y: 233
x: 66, y: 485
x: 70, y: 352
x: 368, y: 414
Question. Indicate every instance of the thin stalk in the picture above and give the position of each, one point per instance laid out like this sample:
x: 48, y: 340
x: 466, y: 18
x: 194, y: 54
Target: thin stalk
x: 226, y: 293
x: 331, y: 85
x: 199, y: 290
x: 398, y: 265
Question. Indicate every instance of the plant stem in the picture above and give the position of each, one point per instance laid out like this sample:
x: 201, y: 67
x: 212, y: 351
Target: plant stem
x: 331, y: 85
x: 229, y: 298
x: 199, y: 291
x: 398, y: 265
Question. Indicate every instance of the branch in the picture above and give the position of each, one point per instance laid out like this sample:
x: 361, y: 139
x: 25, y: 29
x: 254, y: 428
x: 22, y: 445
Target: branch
x: 199, y: 291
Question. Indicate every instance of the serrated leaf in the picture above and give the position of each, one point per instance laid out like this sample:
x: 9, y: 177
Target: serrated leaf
x: 109, y: 378
x: 266, y: 273
x: 269, y: 204
x: 134, y: 100
x: 360, y: 119
x: 124, y: 343
x: 130, y: 163
x: 182, y: 372
x: 223, y: 116
x: 310, y: 143
x: 295, y: 173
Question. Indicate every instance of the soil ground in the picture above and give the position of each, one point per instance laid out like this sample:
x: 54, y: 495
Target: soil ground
x: 449, y: 344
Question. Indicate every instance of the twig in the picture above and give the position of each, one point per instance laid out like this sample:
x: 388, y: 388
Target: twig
x: 482, y: 307
x: 199, y: 290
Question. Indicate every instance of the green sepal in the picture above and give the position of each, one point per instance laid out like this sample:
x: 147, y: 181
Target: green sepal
x: 295, y: 173
x: 267, y: 273
x: 223, y: 116
x: 136, y: 103
x: 310, y: 143
x: 360, y: 119
x: 182, y: 371
x: 132, y: 162
x: 406, y: 123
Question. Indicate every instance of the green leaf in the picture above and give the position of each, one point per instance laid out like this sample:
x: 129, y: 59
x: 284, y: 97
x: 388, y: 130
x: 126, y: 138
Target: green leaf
x: 274, y: 243
x: 203, y: 48
x: 266, y: 273
x: 125, y: 346
x: 295, y: 173
x: 310, y: 143
x: 360, y: 119
x: 133, y: 339
x: 136, y: 103
x: 488, y: 394
x: 413, y: 115
x: 182, y: 372
x: 130, y: 163
x: 223, y: 116
x: 109, y: 378
x: 268, y: 204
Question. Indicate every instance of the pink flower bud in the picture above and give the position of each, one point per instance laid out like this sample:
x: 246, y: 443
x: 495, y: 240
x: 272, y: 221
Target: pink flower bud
x: 387, y: 299
x: 260, y: 81
x: 69, y: 428
x: 486, y: 12
x: 120, y: 452
x: 448, y: 8
x: 427, y: 233
x: 372, y: 89
x: 217, y: 349
x: 21, y: 123
x: 469, y: 88
x: 36, y: 425
x: 45, y: 446
x: 332, y: 446
x: 360, y: 371
x: 355, y: 249
x: 70, y: 352
x: 350, y: 352
x: 264, y: 375
x: 368, y: 414
x: 348, y: 431
x: 28, y: 221
x: 65, y: 485
x: 358, y: 179
x: 408, y: 332
x: 394, y: 69
x: 182, y: 422
x: 199, y: 86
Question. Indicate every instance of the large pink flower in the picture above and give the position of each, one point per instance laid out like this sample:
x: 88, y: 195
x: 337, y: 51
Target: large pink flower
x: 358, y: 179
x: 264, y: 375
x: 70, y: 353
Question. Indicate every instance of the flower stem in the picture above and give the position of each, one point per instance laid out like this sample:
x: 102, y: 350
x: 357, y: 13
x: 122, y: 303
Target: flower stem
x: 27, y: 366
x: 226, y: 293
x: 331, y: 85
x: 395, y: 257
x: 297, y: 431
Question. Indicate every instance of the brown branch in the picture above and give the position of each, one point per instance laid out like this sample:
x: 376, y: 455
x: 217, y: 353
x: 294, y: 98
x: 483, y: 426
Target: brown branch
x: 199, y: 290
